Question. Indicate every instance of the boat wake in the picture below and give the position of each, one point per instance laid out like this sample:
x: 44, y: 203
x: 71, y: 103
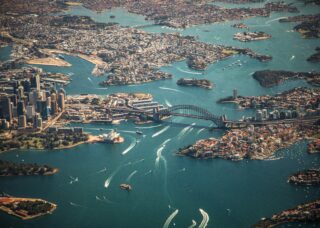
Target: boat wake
x: 132, y: 132
x: 76, y: 205
x: 168, y: 103
x: 131, y: 175
x: 205, y: 218
x: 188, y: 72
x: 201, y: 130
x: 169, y: 219
x: 90, y: 80
x: 182, y: 170
x: 104, y: 88
x: 103, y: 200
x: 194, y: 223
x: 131, y: 146
x: 160, y: 132
x: 150, y: 127
x: 108, y: 181
x: 276, y: 19
x: 102, y: 170
x: 170, y: 89
x: 136, y: 162
x: 185, y: 131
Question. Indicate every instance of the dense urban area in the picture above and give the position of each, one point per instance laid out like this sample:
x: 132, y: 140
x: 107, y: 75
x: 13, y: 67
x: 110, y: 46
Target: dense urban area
x: 36, y: 112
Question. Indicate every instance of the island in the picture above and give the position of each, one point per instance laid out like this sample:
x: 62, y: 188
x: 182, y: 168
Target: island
x: 251, y: 36
x: 303, y: 213
x: 240, y: 26
x: 12, y: 169
x: 26, y: 208
x: 203, y: 83
x: 269, y: 78
x: 306, y: 177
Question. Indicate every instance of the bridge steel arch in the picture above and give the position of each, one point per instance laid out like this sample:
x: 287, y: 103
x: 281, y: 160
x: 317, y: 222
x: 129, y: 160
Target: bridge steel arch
x: 191, y: 111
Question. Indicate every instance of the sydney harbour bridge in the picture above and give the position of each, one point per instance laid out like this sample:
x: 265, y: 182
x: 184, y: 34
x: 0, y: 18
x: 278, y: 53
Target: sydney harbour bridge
x: 193, y: 111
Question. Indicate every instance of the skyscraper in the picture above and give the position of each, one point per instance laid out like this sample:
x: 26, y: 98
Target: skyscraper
x: 35, y: 82
x: 5, y: 108
x: 61, y: 101
x: 22, y: 122
x: 20, y: 108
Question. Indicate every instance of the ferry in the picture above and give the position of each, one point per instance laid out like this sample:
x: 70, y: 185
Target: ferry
x: 112, y: 137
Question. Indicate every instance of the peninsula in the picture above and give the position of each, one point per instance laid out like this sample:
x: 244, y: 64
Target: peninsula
x: 306, y: 177
x: 269, y: 78
x: 26, y: 208
x: 308, y: 212
x: 12, y: 169
x: 257, y: 143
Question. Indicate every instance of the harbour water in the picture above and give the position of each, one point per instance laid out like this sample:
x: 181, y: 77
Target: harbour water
x: 233, y: 194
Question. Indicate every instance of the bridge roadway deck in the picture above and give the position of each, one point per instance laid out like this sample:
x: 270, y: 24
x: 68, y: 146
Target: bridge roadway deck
x: 296, y: 120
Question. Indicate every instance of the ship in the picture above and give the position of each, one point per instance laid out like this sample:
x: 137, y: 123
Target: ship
x: 112, y: 137
x: 126, y: 187
x: 139, y: 133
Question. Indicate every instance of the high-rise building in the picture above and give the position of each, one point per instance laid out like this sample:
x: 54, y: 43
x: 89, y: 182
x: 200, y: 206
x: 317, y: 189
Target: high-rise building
x: 35, y: 82
x: 30, y: 111
x: 42, y: 108
x: 27, y: 85
x: 20, y: 92
x: 61, y: 101
x: 5, y: 108
x: 235, y: 94
x: 20, y: 108
x: 22, y: 122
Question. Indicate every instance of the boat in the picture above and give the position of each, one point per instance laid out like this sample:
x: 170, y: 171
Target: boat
x: 139, y: 133
x: 112, y: 137
x: 126, y: 187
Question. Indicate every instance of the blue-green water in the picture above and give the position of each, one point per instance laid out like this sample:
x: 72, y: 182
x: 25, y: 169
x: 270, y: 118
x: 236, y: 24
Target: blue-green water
x: 234, y: 194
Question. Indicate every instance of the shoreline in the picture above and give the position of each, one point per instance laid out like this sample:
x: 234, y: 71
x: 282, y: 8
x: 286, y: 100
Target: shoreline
x: 16, y: 199
x: 49, y: 62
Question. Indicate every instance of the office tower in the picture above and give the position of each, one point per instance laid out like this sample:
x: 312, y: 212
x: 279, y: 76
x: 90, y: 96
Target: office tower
x: 20, y: 108
x: 5, y: 108
x: 22, y: 122
x: 27, y: 85
x: 35, y: 82
x: 61, y: 101
x: 235, y: 94
x: 30, y: 111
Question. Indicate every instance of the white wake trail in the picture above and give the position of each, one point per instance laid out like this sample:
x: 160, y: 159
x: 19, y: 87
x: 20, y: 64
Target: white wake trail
x: 194, y: 223
x: 205, y: 218
x: 102, y: 170
x: 201, y: 130
x: 160, y: 132
x: 131, y: 175
x: 170, y: 89
x: 276, y: 19
x: 188, y: 72
x: 76, y: 205
x: 150, y: 127
x: 108, y: 181
x: 169, y: 219
x: 133, y: 144
x: 167, y: 103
